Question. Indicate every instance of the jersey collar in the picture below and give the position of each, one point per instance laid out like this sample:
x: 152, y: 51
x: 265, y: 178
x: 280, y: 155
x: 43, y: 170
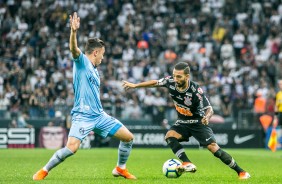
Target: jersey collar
x: 184, y: 91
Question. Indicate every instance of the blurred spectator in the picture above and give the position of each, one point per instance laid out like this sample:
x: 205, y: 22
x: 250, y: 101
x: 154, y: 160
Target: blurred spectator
x: 229, y: 45
x: 215, y: 100
x: 278, y: 103
x: 4, y: 106
x: 259, y: 107
x: 226, y: 106
x: 148, y: 104
x: 21, y: 121
x: 159, y: 105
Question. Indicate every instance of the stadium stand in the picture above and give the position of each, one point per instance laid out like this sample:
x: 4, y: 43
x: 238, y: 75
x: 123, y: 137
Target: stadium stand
x: 233, y: 48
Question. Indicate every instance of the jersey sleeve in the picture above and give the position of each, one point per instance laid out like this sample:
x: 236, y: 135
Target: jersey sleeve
x: 163, y: 82
x: 80, y: 61
x: 79, y: 58
x: 203, y: 100
x: 206, y: 102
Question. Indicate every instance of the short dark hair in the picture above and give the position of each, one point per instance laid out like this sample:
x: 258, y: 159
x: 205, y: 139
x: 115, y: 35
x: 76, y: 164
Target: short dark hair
x: 93, y: 43
x: 182, y: 66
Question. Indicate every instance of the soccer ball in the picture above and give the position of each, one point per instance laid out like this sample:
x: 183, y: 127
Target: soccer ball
x: 169, y: 168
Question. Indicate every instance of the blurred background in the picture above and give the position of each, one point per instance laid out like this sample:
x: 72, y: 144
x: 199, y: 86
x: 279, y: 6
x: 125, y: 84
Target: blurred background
x: 232, y: 46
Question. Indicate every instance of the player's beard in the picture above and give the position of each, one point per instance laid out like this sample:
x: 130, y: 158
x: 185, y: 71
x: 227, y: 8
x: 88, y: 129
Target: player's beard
x: 181, y: 84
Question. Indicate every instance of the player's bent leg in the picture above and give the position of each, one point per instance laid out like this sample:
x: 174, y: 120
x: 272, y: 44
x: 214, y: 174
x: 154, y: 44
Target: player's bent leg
x: 228, y: 160
x: 73, y: 144
x: 172, y: 138
x: 124, y: 134
x: 124, y: 149
x: 58, y: 157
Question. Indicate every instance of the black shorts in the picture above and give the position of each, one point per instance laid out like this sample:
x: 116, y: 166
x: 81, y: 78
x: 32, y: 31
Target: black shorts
x: 202, y: 133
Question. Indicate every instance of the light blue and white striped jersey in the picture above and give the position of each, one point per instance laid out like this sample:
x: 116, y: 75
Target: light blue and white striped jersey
x: 86, y: 84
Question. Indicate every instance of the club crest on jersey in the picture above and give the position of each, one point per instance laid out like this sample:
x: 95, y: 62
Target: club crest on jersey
x: 187, y: 101
x: 200, y: 90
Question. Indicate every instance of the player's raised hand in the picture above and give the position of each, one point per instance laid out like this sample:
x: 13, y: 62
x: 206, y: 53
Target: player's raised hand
x: 74, y: 22
x: 127, y: 85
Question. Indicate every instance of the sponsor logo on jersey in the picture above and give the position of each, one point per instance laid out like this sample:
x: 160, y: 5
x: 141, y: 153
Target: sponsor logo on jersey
x: 188, y: 121
x: 189, y: 94
x: 200, y: 90
x: 172, y: 87
x: 199, y: 96
x: 201, y: 104
x: 187, y: 101
x: 183, y: 110
x: 170, y: 80
x: 208, y: 138
x: 179, y: 97
x: 193, y: 88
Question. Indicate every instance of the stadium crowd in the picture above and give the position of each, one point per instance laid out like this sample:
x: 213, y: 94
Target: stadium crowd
x: 232, y: 46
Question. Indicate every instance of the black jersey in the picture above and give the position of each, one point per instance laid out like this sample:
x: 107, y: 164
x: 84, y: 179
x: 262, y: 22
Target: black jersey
x: 189, y: 104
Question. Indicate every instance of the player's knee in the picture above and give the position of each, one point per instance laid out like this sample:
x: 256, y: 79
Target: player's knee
x: 166, y: 137
x: 169, y: 134
x: 213, y: 147
x: 73, y: 146
x: 170, y: 140
x: 128, y: 138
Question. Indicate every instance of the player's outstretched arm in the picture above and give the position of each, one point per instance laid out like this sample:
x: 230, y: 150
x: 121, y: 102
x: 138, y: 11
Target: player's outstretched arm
x: 128, y: 85
x: 74, y: 25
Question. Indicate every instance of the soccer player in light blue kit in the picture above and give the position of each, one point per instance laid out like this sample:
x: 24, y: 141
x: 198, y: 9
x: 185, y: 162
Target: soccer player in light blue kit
x: 87, y: 113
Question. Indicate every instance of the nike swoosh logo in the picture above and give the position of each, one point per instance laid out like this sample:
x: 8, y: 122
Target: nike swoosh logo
x: 208, y: 138
x: 240, y: 140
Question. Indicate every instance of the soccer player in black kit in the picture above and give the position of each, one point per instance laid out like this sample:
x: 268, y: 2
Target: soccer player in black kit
x: 194, y: 111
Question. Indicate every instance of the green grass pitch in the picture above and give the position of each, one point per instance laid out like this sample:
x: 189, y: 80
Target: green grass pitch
x: 95, y: 166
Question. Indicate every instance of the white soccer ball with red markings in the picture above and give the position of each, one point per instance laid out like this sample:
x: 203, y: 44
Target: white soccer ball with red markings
x: 169, y: 168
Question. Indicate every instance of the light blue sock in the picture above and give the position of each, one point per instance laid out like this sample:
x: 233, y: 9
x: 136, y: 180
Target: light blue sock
x: 58, y: 157
x: 124, y: 150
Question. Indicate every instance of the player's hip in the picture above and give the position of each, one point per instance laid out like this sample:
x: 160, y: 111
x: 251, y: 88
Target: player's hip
x: 202, y: 133
x: 93, y: 119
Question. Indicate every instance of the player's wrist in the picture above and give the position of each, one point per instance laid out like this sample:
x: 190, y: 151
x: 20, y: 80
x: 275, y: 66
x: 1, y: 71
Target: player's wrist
x: 208, y: 116
x: 73, y: 30
x: 135, y: 86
